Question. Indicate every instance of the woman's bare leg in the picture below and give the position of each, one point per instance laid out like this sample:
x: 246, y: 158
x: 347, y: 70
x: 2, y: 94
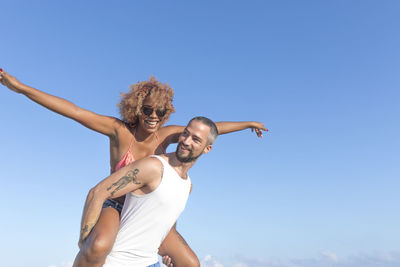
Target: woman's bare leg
x: 99, y: 243
x: 178, y: 250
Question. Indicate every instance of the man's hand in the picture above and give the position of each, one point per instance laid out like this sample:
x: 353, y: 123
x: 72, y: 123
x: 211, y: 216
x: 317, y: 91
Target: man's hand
x: 258, y: 127
x: 167, y: 261
x: 10, y: 81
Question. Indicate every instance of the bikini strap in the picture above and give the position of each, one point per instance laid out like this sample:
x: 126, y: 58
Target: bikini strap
x: 133, y: 138
x: 161, y: 145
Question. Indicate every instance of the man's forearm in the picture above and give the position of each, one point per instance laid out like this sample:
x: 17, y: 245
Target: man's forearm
x: 91, y: 214
x: 117, y: 184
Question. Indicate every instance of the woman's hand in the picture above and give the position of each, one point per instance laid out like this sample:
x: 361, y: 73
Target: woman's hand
x: 167, y: 261
x: 258, y: 127
x: 10, y: 82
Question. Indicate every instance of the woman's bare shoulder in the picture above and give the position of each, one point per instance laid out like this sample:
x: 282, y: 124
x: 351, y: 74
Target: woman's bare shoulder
x: 123, y: 129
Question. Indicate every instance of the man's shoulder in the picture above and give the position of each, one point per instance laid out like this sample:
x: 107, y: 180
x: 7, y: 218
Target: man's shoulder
x: 150, y: 163
x: 148, y: 168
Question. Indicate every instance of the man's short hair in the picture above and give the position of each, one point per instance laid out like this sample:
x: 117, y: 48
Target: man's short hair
x: 212, y: 136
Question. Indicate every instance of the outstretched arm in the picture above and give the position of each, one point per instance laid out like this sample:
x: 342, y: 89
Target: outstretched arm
x: 171, y: 133
x: 225, y: 127
x: 102, y: 124
x: 134, y: 176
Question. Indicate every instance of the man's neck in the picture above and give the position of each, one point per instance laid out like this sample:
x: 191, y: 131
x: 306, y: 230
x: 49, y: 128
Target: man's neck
x: 181, y: 168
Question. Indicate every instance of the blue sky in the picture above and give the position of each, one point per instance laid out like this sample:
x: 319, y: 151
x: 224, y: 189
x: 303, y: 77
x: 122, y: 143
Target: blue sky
x: 320, y: 189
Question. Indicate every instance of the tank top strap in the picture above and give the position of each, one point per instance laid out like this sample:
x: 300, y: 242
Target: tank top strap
x: 169, y: 170
x: 163, y: 162
x: 166, y: 167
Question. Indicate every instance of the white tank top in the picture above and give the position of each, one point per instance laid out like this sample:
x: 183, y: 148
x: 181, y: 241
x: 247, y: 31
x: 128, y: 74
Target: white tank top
x: 147, y: 219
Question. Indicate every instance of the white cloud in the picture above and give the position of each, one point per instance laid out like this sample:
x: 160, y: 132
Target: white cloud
x: 209, y: 261
x: 328, y: 255
x: 323, y: 259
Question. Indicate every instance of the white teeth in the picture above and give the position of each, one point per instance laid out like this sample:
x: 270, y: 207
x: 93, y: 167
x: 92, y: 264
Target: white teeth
x: 151, y: 123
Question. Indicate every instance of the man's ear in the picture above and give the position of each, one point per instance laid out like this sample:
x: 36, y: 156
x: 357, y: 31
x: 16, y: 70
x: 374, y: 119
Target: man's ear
x: 207, y: 149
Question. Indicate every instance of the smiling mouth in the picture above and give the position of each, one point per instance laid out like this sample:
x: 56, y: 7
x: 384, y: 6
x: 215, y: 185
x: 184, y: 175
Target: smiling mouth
x: 182, y: 148
x: 151, y: 124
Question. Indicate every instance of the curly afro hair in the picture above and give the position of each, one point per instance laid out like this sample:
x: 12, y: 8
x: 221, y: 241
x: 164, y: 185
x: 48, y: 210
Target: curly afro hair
x: 131, y: 103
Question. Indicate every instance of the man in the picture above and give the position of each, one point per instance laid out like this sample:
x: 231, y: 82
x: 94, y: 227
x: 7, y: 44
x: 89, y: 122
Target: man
x: 156, y: 190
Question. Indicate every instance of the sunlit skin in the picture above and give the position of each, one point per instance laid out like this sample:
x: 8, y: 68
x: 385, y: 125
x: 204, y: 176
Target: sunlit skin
x: 145, y: 174
x: 192, y: 142
x: 149, y: 138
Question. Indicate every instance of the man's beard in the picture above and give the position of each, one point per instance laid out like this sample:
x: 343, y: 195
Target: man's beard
x: 188, y: 158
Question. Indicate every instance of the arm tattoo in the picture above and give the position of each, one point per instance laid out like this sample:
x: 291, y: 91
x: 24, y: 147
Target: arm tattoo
x: 130, y: 176
x: 85, y: 229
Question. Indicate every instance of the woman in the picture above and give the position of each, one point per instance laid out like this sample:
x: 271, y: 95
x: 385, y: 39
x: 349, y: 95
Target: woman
x: 138, y: 134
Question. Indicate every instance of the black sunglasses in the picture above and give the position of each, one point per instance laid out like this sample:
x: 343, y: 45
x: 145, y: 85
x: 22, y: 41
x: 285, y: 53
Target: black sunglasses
x: 149, y: 110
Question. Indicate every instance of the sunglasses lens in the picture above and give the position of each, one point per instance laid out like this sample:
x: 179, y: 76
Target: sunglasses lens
x: 147, y: 111
x: 161, y: 112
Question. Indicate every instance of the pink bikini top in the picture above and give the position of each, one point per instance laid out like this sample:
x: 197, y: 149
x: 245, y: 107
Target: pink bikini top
x: 128, y: 158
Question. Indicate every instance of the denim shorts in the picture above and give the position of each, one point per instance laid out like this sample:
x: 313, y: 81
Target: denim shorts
x: 114, y: 204
x: 155, y: 265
